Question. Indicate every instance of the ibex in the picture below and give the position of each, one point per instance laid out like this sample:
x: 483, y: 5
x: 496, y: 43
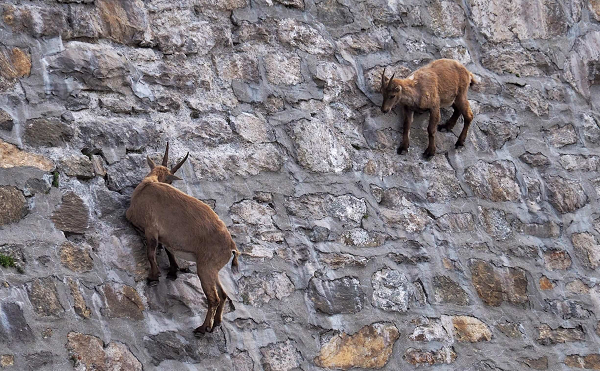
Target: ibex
x: 441, y: 83
x: 189, y: 229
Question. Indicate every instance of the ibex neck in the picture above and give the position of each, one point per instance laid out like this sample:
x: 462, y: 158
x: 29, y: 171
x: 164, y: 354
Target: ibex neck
x: 150, y: 179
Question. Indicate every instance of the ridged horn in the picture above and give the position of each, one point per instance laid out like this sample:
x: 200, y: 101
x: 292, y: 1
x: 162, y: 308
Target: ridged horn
x: 165, y: 161
x: 176, y: 167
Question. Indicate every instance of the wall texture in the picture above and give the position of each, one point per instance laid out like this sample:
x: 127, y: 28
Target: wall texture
x: 483, y: 258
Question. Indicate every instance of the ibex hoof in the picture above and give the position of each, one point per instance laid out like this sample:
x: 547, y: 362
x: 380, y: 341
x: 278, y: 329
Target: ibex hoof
x: 201, y: 330
x: 402, y: 150
x: 444, y: 128
x: 152, y: 282
x: 172, y: 276
x: 459, y: 145
x: 428, y: 153
x: 185, y: 270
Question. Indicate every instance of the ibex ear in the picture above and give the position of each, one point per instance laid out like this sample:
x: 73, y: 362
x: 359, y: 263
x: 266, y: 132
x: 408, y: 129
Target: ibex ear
x: 171, y: 178
x: 150, y: 163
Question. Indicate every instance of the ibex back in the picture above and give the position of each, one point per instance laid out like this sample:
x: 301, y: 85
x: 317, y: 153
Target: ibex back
x: 189, y: 229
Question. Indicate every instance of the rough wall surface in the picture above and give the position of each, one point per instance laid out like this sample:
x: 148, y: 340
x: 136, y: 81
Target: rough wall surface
x: 483, y: 258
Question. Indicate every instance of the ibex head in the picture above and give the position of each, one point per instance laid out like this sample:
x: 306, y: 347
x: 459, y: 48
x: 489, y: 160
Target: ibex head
x: 391, y: 92
x: 163, y: 174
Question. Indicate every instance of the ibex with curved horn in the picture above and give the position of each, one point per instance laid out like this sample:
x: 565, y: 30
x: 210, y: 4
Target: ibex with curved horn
x: 189, y: 229
x: 441, y: 83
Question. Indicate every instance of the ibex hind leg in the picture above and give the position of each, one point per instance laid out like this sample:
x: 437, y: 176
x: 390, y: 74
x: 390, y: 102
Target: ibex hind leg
x: 220, y: 309
x: 152, y: 244
x: 449, y: 125
x: 465, y: 110
x: 209, y: 286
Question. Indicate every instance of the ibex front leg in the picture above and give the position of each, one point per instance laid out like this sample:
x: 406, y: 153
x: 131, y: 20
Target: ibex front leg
x: 434, y: 119
x: 408, y: 119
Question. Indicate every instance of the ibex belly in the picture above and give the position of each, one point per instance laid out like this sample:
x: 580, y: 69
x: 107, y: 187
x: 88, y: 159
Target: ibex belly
x: 182, y: 254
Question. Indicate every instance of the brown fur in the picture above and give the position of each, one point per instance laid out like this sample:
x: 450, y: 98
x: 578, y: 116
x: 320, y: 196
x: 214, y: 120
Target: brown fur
x: 441, y: 83
x: 184, y: 225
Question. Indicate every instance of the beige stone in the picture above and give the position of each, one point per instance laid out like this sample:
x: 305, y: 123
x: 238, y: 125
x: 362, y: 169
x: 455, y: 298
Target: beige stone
x: 13, y: 157
x: 370, y: 347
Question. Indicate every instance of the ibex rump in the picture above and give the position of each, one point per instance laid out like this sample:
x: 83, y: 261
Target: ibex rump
x: 441, y: 83
x: 188, y: 228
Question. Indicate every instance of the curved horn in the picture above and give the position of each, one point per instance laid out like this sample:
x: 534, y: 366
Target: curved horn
x: 176, y: 167
x: 165, y: 161
x: 383, y: 78
x: 390, y: 82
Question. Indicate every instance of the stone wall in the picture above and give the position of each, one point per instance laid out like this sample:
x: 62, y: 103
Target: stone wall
x: 483, y: 258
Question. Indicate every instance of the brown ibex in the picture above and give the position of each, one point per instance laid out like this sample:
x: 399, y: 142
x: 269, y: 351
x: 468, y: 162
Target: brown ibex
x: 188, y: 228
x: 441, y: 83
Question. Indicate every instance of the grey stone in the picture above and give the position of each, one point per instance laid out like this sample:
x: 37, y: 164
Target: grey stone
x: 560, y: 136
x: 261, y: 288
x: 171, y: 345
x: 6, y: 121
x: 392, y: 291
x: 15, y: 328
x: 78, y: 166
x: 342, y: 295
x: 281, y: 356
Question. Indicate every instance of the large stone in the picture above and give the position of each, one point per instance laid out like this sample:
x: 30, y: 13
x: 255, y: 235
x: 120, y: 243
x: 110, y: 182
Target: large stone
x: 429, y: 329
x: 457, y: 223
x: 549, y: 336
x: 588, y: 362
x: 14, y: 205
x: 14, y: 327
x: 560, y: 136
x: 93, y: 66
x: 496, y: 224
x: 542, y: 230
x: 540, y: 363
x: 362, y: 238
x: 370, y: 347
x: 494, y: 181
x: 586, y: 249
x: 579, y: 162
x: 342, y: 295
x: 184, y: 347
x: 75, y: 258
x: 346, y: 208
x: 495, y: 285
x: 72, y: 215
x: 90, y: 353
x: 567, y: 309
x: 122, y: 302
x: 261, y: 288
x: 447, y: 291
x: 14, y: 63
x: 47, y: 132
x: 393, y: 292
x: 320, y: 148
x: 470, y: 329
x: 300, y: 35
x: 447, y: 19
x: 280, y: 356
x: 44, y: 297
x: 79, y: 304
x: 13, y: 157
x: 36, y: 21
x: 342, y: 260
x: 125, y: 21
x: 283, y: 69
x: 423, y: 357
x: 535, y: 159
x: 512, y: 58
x: 79, y: 166
x: 6, y: 124
x: 399, y: 208
x: 557, y: 260
x: 237, y: 66
x: 252, y: 128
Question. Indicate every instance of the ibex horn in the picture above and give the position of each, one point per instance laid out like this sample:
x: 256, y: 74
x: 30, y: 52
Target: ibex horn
x: 383, y: 79
x: 176, y: 167
x: 390, y: 82
x: 165, y: 161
